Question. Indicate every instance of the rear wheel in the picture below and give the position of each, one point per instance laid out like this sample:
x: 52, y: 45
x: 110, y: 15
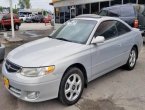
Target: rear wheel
x: 72, y: 86
x: 16, y: 27
x: 132, y: 59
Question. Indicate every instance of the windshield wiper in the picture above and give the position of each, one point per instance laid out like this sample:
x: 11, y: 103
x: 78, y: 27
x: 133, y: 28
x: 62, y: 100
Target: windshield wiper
x: 63, y: 39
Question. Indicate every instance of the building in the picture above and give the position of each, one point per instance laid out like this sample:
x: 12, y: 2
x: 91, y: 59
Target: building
x: 67, y: 9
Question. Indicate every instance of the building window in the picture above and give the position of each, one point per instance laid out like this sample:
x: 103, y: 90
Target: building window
x: 72, y: 11
x: 64, y: 13
x: 104, y: 4
x: 57, y: 15
x: 141, y: 1
x: 114, y: 2
x: 129, y: 1
x: 67, y: 13
x: 94, y: 8
x: 86, y: 8
x: 79, y: 10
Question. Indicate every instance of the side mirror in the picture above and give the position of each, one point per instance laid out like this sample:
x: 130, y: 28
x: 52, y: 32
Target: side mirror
x: 98, y: 39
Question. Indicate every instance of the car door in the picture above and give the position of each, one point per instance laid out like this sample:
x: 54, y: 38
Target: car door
x: 105, y: 56
x: 125, y: 36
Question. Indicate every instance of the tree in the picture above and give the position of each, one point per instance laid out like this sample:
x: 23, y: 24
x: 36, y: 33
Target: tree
x: 15, y: 11
x: 21, y: 4
x: 24, y: 4
x: 1, y: 8
x: 27, y: 4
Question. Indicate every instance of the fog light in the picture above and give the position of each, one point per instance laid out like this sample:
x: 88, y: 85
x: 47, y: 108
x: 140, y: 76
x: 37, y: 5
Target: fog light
x: 32, y: 95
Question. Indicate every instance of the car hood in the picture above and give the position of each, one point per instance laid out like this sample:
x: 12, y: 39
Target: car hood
x: 43, y: 52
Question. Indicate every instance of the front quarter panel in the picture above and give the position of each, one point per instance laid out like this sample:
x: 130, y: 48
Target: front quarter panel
x: 82, y: 57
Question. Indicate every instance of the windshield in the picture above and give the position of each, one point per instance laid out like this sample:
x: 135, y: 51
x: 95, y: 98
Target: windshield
x: 76, y: 30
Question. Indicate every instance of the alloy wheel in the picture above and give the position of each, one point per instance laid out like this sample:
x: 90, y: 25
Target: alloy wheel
x: 73, y: 87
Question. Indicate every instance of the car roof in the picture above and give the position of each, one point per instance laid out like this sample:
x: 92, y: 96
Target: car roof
x: 96, y: 17
x: 118, y: 5
x: 99, y: 18
x: 89, y: 16
x: 8, y: 14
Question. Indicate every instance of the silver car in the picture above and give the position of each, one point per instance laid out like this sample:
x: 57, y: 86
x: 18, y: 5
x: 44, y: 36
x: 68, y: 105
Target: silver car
x: 61, y: 65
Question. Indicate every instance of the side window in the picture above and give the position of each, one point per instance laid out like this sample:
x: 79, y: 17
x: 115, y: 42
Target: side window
x: 112, y: 14
x: 103, y: 13
x: 107, y: 29
x: 122, y: 29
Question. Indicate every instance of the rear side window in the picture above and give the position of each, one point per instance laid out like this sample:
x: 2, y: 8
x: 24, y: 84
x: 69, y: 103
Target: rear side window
x: 107, y: 29
x: 127, y: 11
x: 122, y: 29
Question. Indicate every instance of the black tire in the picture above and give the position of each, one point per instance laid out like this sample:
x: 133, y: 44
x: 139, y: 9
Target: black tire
x: 16, y: 27
x: 64, y: 85
x: 129, y: 65
x: 7, y: 28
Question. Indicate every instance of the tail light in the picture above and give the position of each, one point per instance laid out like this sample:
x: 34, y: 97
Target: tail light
x: 136, y: 23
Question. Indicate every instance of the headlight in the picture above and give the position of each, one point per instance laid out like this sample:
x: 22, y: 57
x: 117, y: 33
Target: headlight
x: 34, y: 72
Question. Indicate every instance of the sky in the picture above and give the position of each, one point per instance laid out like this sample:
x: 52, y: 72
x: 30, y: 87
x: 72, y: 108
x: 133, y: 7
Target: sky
x: 36, y: 4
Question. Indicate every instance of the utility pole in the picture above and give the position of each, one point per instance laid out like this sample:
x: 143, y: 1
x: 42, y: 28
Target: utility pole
x: 12, y: 19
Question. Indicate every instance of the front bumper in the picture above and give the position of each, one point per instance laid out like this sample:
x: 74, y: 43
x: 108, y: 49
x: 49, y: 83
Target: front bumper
x: 21, y: 89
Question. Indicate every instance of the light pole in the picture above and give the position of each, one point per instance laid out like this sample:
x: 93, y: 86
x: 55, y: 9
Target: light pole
x: 12, y: 19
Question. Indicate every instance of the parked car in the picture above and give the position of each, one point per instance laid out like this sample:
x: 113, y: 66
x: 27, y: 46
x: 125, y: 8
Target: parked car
x: 37, y: 18
x: 133, y: 14
x: 5, y: 21
x: 26, y: 18
x: 47, y: 19
x: 22, y: 18
x: 97, y: 45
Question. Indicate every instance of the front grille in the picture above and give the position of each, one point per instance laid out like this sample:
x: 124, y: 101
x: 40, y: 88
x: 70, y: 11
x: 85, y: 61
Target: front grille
x: 11, y: 67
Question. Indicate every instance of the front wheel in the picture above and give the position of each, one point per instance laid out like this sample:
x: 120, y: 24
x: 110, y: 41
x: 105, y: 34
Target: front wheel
x: 71, y: 86
x: 132, y: 59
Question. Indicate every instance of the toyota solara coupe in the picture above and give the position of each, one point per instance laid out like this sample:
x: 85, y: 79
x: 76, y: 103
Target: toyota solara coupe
x: 61, y: 65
